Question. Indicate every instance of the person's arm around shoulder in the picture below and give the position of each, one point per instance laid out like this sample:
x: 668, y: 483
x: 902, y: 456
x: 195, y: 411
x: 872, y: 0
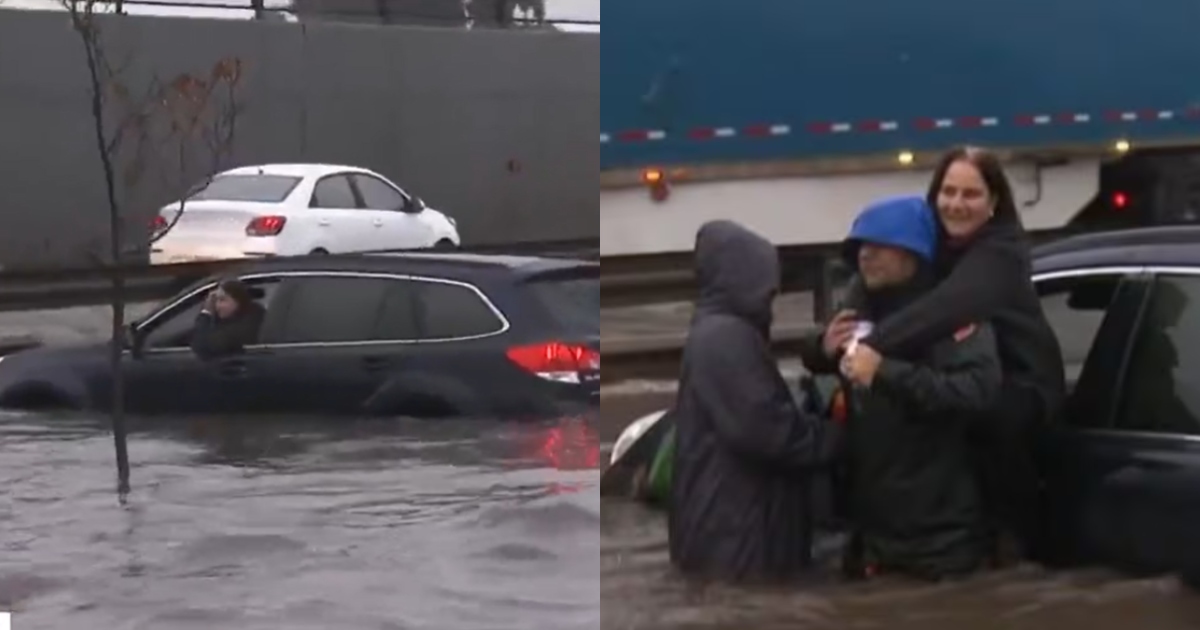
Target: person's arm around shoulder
x: 736, y: 379
x: 989, y: 276
x: 964, y: 376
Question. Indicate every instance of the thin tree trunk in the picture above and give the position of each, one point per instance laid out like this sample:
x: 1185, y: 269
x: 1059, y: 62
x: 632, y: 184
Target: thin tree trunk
x: 117, y: 342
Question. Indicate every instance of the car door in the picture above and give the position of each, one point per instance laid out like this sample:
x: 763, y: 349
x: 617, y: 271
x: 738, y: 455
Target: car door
x: 1144, y: 510
x: 340, y: 224
x: 316, y: 354
x: 393, y: 213
x: 166, y: 377
x: 1093, y: 315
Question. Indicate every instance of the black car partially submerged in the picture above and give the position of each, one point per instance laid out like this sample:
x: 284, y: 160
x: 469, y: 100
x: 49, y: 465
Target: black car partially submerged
x: 380, y: 334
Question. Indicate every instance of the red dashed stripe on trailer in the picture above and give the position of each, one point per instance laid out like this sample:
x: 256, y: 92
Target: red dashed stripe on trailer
x: 918, y: 124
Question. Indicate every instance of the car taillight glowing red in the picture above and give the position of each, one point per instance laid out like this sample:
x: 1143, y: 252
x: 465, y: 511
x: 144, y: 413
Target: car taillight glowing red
x: 556, y: 360
x: 270, y: 225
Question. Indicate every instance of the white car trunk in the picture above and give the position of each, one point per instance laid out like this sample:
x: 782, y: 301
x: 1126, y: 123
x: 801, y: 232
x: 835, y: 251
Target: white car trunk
x: 211, y: 220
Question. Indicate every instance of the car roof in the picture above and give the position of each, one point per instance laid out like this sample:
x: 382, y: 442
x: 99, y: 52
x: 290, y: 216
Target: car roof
x: 1168, y: 246
x: 450, y: 265
x: 295, y: 170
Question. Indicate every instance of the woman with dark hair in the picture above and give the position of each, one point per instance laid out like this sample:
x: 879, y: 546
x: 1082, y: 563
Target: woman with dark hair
x: 983, y: 268
x: 228, y: 321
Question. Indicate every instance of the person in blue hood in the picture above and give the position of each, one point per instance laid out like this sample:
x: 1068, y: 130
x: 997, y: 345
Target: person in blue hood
x: 913, y: 495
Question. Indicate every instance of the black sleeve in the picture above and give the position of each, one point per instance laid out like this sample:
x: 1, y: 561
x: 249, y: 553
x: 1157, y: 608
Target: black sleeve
x: 210, y: 341
x: 988, y: 277
x: 965, y: 378
x: 750, y: 408
x: 812, y: 354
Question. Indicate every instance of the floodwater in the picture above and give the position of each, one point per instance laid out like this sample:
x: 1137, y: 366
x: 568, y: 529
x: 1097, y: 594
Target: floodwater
x: 249, y: 523
x: 638, y: 590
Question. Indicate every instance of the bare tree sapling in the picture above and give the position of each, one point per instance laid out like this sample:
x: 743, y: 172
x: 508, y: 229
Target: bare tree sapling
x: 166, y: 122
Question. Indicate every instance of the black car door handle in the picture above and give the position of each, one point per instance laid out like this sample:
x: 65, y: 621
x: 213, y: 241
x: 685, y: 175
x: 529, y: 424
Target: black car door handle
x: 375, y: 364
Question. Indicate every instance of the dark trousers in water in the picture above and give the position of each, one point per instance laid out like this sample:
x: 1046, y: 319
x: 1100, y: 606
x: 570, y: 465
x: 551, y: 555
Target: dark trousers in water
x: 1011, y: 479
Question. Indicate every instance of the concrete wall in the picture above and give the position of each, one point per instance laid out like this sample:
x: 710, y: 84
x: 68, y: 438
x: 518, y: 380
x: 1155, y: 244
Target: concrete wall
x: 497, y: 128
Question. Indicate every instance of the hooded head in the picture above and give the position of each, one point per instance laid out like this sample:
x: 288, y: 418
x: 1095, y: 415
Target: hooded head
x: 737, y: 270
x: 892, y: 241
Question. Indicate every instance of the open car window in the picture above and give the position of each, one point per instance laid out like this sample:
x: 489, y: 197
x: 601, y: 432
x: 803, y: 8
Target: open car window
x: 171, y: 329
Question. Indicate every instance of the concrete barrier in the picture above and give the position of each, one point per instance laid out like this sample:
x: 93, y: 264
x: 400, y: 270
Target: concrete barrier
x: 498, y: 128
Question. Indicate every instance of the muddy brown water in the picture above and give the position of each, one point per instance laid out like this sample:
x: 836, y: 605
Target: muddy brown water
x: 639, y: 591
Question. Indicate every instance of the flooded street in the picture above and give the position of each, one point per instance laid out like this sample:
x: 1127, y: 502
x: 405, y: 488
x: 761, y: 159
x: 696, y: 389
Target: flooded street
x: 638, y: 590
x: 248, y: 524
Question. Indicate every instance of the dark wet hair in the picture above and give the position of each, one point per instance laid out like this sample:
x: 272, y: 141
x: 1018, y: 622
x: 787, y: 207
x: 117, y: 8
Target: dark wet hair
x: 237, y: 290
x: 990, y: 169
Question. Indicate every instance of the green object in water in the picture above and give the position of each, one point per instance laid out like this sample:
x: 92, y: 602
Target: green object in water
x: 659, y: 482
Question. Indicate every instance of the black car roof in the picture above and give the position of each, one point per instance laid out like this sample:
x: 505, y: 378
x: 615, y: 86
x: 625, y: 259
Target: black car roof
x: 1172, y: 246
x: 449, y: 264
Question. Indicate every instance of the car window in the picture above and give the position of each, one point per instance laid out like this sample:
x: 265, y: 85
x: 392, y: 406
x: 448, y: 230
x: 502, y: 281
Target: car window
x: 1075, y: 307
x: 333, y: 192
x: 397, y: 318
x: 260, y: 188
x: 574, y: 302
x: 377, y: 195
x: 173, y: 329
x: 326, y: 310
x: 1162, y: 386
x: 453, y: 311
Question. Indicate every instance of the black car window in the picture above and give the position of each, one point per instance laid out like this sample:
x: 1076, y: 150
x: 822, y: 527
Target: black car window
x: 397, y: 318
x: 1091, y: 315
x: 1162, y: 386
x: 572, y: 299
x: 377, y: 195
x: 1075, y: 307
x: 173, y: 329
x: 333, y: 192
x: 453, y: 311
x: 326, y: 309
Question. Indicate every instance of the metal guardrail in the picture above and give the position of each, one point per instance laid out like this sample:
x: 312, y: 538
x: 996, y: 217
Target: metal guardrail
x: 660, y: 278
x: 22, y: 289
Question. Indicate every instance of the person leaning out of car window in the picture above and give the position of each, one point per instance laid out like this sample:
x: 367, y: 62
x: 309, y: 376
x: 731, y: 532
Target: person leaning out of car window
x: 915, y: 503
x: 983, y: 272
x: 228, y: 322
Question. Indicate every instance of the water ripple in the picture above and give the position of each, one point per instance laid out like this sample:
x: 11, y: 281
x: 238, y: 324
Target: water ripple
x: 297, y: 523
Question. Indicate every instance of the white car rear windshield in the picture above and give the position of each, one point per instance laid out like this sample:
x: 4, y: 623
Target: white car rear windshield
x: 260, y: 188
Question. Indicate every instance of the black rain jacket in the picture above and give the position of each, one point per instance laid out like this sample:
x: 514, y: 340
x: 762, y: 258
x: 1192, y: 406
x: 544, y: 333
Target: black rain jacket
x: 914, y: 499
x: 214, y: 338
x: 739, y: 507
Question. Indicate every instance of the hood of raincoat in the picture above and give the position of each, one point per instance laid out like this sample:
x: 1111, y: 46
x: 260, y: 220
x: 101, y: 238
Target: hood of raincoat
x: 905, y: 222
x: 737, y: 272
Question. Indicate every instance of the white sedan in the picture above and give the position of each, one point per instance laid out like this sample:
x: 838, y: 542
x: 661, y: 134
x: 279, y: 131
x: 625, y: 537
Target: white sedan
x: 296, y: 209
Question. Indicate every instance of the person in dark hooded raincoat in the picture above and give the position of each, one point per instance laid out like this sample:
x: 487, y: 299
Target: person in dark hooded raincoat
x: 916, y: 505
x: 739, y: 506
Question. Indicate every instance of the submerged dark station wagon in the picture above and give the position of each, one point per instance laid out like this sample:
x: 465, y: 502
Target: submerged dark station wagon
x: 380, y: 334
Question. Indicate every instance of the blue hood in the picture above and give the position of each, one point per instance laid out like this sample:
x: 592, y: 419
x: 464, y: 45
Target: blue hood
x: 906, y: 222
